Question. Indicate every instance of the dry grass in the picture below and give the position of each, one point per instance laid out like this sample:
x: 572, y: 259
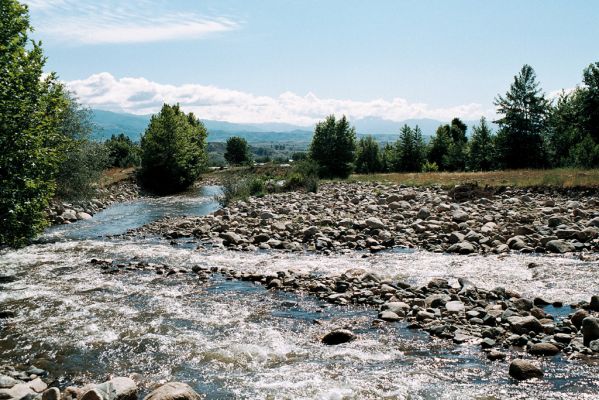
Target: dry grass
x: 565, y: 178
x: 115, y: 175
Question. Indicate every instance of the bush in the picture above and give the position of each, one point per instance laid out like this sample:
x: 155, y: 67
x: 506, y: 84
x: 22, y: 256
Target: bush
x: 173, y: 151
x: 304, y: 175
x: 240, y: 187
x: 430, y: 167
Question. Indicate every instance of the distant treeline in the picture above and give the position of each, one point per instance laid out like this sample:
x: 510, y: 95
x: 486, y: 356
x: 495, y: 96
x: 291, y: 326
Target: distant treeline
x: 534, y: 132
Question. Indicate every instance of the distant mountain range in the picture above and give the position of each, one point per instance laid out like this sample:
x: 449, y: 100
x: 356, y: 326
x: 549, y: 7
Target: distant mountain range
x: 107, y: 123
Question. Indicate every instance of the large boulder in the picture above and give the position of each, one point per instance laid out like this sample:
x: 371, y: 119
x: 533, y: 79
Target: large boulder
x: 119, y: 388
x: 173, y: 391
x: 523, y: 369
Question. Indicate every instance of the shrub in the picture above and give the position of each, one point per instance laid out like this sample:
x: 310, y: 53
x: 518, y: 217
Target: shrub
x: 83, y: 166
x: 430, y: 167
x: 173, y: 151
x: 304, y: 175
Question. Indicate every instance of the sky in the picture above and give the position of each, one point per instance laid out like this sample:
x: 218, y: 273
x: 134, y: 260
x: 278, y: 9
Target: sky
x: 296, y: 61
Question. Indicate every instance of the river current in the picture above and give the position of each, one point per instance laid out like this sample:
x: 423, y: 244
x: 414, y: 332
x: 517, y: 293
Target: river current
x: 237, y: 340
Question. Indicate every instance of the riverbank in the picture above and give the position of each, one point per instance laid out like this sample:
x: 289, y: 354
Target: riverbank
x: 345, y: 216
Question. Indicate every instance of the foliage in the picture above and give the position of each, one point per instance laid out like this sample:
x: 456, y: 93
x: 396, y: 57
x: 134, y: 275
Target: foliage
x: 524, y: 119
x: 81, y: 170
x: 299, y: 156
x: 589, y: 113
x: 304, y: 175
x: 238, y: 151
x: 368, y: 158
x: 430, y: 167
x: 333, y: 147
x: 122, y: 151
x: 448, y: 148
x: 481, y: 154
x: 388, y: 160
x: 83, y: 161
x: 30, y: 133
x: 173, y: 150
x: 410, y: 150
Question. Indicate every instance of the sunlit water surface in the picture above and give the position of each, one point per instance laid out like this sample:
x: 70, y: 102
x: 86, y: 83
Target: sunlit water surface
x: 232, y: 339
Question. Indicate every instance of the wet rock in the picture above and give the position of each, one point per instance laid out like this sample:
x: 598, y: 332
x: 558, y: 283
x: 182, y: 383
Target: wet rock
x: 487, y: 343
x: 338, y: 336
x: 52, y: 393
x: 578, y: 317
x: 590, y: 329
x: 560, y: 246
x: 462, y: 248
x: 93, y: 394
x: 389, y: 316
x: 594, y: 304
x: 543, y: 349
x: 522, y: 369
x: 495, y: 355
x: 173, y: 391
x: 83, y: 216
x: 594, y: 345
x: 396, y: 307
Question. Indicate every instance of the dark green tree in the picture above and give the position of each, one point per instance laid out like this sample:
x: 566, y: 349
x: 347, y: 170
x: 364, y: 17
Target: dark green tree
x: 333, y: 147
x: 238, y: 151
x: 122, y: 151
x: 481, y: 154
x: 565, y: 129
x: 30, y: 139
x: 524, y: 114
x: 438, y: 148
x: 388, y: 158
x: 590, y: 101
x: 410, y: 150
x: 173, y: 150
x: 369, y: 158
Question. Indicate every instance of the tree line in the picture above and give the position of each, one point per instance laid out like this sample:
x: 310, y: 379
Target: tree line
x: 533, y: 132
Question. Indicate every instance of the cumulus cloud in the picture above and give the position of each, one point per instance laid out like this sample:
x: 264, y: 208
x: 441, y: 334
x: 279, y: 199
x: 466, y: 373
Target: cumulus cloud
x: 142, y: 96
x: 114, y: 22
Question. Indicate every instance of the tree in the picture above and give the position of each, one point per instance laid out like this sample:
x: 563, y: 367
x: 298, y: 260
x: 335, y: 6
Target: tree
x: 590, y: 101
x: 238, y: 151
x: 30, y: 137
x: 565, y: 129
x: 438, y: 148
x: 410, y: 150
x: 368, y: 158
x: 84, y: 160
x: 173, y: 150
x: 333, y: 147
x: 481, y: 154
x: 524, y: 111
x: 122, y: 151
x: 388, y: 158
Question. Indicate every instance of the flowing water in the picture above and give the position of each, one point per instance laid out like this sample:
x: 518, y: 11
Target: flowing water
x: 231, y: 339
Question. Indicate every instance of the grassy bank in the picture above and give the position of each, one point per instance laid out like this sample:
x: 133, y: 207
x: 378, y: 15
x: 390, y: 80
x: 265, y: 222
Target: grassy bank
x: 564, y: 178
x: 116, y: 175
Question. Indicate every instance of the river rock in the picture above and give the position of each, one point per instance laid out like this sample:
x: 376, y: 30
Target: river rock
x: 52, y: 393
x: 594, y: 345
x: 7, y: 382
x: 462, y: 248
x: 543, y: 349
x: 338, y: 336
x: 522, y: 325
x: 374, y: 223
x: 594, y: 304
x: 590, y: 329
x: 231, y: 237
x: 522, y: 369
x: 578, y: 317
x: 455, y: 307
x: 173, y: 391
x: 83, y: 216
x: 389, y: 316
x: 560, y: 246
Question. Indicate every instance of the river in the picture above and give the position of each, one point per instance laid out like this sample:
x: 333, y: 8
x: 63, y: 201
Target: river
x: 231, y: 339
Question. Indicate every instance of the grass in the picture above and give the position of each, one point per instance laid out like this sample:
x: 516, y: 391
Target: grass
x: 116, y: 175
x: 563, y: 178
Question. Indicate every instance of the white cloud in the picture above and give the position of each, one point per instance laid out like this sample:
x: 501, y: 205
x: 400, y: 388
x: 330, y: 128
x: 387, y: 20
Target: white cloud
x: 112, y: 22
x: 141, y: 96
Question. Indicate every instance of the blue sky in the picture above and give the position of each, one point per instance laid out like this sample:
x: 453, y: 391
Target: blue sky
x: 297, y: 61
